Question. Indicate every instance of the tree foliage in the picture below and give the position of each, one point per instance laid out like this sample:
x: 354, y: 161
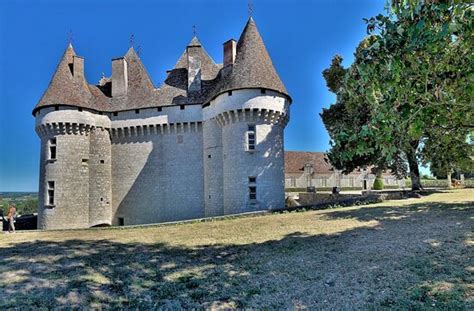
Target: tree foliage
x: 410, y: 87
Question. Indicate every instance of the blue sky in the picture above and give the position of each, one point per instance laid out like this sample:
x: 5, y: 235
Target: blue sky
x: 301, y: 37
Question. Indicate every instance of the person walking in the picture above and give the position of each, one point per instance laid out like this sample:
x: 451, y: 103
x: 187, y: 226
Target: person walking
x: 11, y: 218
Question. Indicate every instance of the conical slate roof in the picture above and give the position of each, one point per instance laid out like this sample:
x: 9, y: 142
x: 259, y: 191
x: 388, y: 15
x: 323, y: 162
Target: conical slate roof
x: 64, y: 88
x: 253, y: 67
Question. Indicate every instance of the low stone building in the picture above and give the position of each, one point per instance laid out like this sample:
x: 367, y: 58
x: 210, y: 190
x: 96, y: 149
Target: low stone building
x: 304, y: 169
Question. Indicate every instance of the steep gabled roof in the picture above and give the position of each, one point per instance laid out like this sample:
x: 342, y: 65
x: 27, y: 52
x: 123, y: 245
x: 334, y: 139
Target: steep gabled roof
x: 253, y: 67
x: 64, y: 88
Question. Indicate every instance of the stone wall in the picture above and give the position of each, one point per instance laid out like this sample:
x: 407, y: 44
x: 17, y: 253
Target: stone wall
x: 158, y: 177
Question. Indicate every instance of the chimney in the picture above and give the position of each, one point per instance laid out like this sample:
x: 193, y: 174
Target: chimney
x: 78, y: 67
x: 230, y: 50
x: 194, y: 69
x: 119, y: 77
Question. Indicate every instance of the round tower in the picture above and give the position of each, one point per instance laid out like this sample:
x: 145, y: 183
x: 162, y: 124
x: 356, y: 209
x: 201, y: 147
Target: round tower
x: 251, y: 122
x: 74, y: 142
x: 250, y: 107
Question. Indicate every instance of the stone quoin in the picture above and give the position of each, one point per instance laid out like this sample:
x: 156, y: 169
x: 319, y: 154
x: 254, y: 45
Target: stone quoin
x: 207, y: 142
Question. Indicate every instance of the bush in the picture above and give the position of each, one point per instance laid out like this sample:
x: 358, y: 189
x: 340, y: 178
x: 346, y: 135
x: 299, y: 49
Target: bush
x: 378, y: 184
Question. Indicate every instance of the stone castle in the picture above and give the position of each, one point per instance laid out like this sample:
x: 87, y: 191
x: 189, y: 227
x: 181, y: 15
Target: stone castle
x: 207, y: 142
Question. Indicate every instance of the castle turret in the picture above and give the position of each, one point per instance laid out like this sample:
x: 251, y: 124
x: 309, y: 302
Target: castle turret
x: 65, y: 130
x: 250, y: 109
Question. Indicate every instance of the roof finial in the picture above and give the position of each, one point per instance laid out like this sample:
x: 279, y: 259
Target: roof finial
x: 250, y: 8
x: 194, y: 30
x: 69, y: 37
x: 139, y: 49
x: 131, y: 41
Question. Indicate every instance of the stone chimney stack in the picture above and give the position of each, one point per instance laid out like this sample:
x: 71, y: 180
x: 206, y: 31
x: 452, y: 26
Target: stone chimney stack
x: 230, y: 51
x: 119, y: 76
x: 194, y: 67
x: 78, y: 67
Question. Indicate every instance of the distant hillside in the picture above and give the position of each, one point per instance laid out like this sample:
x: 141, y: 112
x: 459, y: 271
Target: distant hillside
x: 26, y: 202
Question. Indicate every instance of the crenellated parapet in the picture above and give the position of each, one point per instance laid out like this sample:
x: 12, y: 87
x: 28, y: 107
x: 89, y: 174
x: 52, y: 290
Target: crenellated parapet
x: 156, y: 129
x: 62, y: 128
x: 253, y: 115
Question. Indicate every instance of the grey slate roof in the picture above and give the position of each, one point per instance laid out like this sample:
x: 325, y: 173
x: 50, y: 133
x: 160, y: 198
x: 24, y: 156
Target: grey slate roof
x: 253, y: 68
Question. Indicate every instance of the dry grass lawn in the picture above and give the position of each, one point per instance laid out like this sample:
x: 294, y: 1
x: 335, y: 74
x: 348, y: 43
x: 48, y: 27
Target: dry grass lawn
x: 409, y: 254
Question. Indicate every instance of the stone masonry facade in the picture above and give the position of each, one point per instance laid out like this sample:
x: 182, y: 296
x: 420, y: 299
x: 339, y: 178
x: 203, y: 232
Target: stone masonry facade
x: 207, y: 142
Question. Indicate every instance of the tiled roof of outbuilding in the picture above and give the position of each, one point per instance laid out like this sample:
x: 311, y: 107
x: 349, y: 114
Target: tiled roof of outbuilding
x: 252, y: 69
x: 296, y: 160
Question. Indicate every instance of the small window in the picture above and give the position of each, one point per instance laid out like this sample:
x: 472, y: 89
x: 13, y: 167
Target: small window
x: 102, y: 161
x: 101, y: 199
x: 56, y: 108
x: 263, y: 91
x: 101, y: 113
x: 52, y: 149
x: 230, y: 93
x: 252, y: 193
x: 121, y: 221
x: 50, y: 193
x: 209, y: 197
x: 115, y: 114
x: 137, y: 111
x: 180, y: 139
x: 159, y: 109
x: 251, y: 139
x: 84, y: 161
x: 208, y: 156
x: 181, y: 107
x: 252, y: 180
x: 79, y: 109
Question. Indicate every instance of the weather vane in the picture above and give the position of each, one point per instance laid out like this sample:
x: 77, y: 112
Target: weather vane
x: 69, y: 36
x: 250, y: 8
x: 194, y: 30
x: 131, y: 41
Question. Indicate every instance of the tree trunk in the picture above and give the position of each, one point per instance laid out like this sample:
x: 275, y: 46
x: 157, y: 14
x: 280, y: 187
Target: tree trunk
x: 414, y: 171
x: 450, y: 185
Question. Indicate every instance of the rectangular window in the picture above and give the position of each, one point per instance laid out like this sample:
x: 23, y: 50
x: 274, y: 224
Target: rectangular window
x: 252, y: 180
x: 251, y: 138
x: 252, y: 192
x: 115, y: 114
x: 159, y: 109
x: 181, y: 107
x: 263, y: 91
x: 137, y: 111
x: 293, y: 182
x: 324, y: 181
x: 230, y: 93
x: 50, y: 194
x: 52, y: 149
x: 121, y: 221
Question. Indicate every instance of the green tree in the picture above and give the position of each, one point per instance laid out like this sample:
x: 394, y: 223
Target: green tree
x: 412, y: 81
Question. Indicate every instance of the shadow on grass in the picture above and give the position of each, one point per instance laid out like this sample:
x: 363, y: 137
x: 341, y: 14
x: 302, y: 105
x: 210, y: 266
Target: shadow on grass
x: 414, y: 257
